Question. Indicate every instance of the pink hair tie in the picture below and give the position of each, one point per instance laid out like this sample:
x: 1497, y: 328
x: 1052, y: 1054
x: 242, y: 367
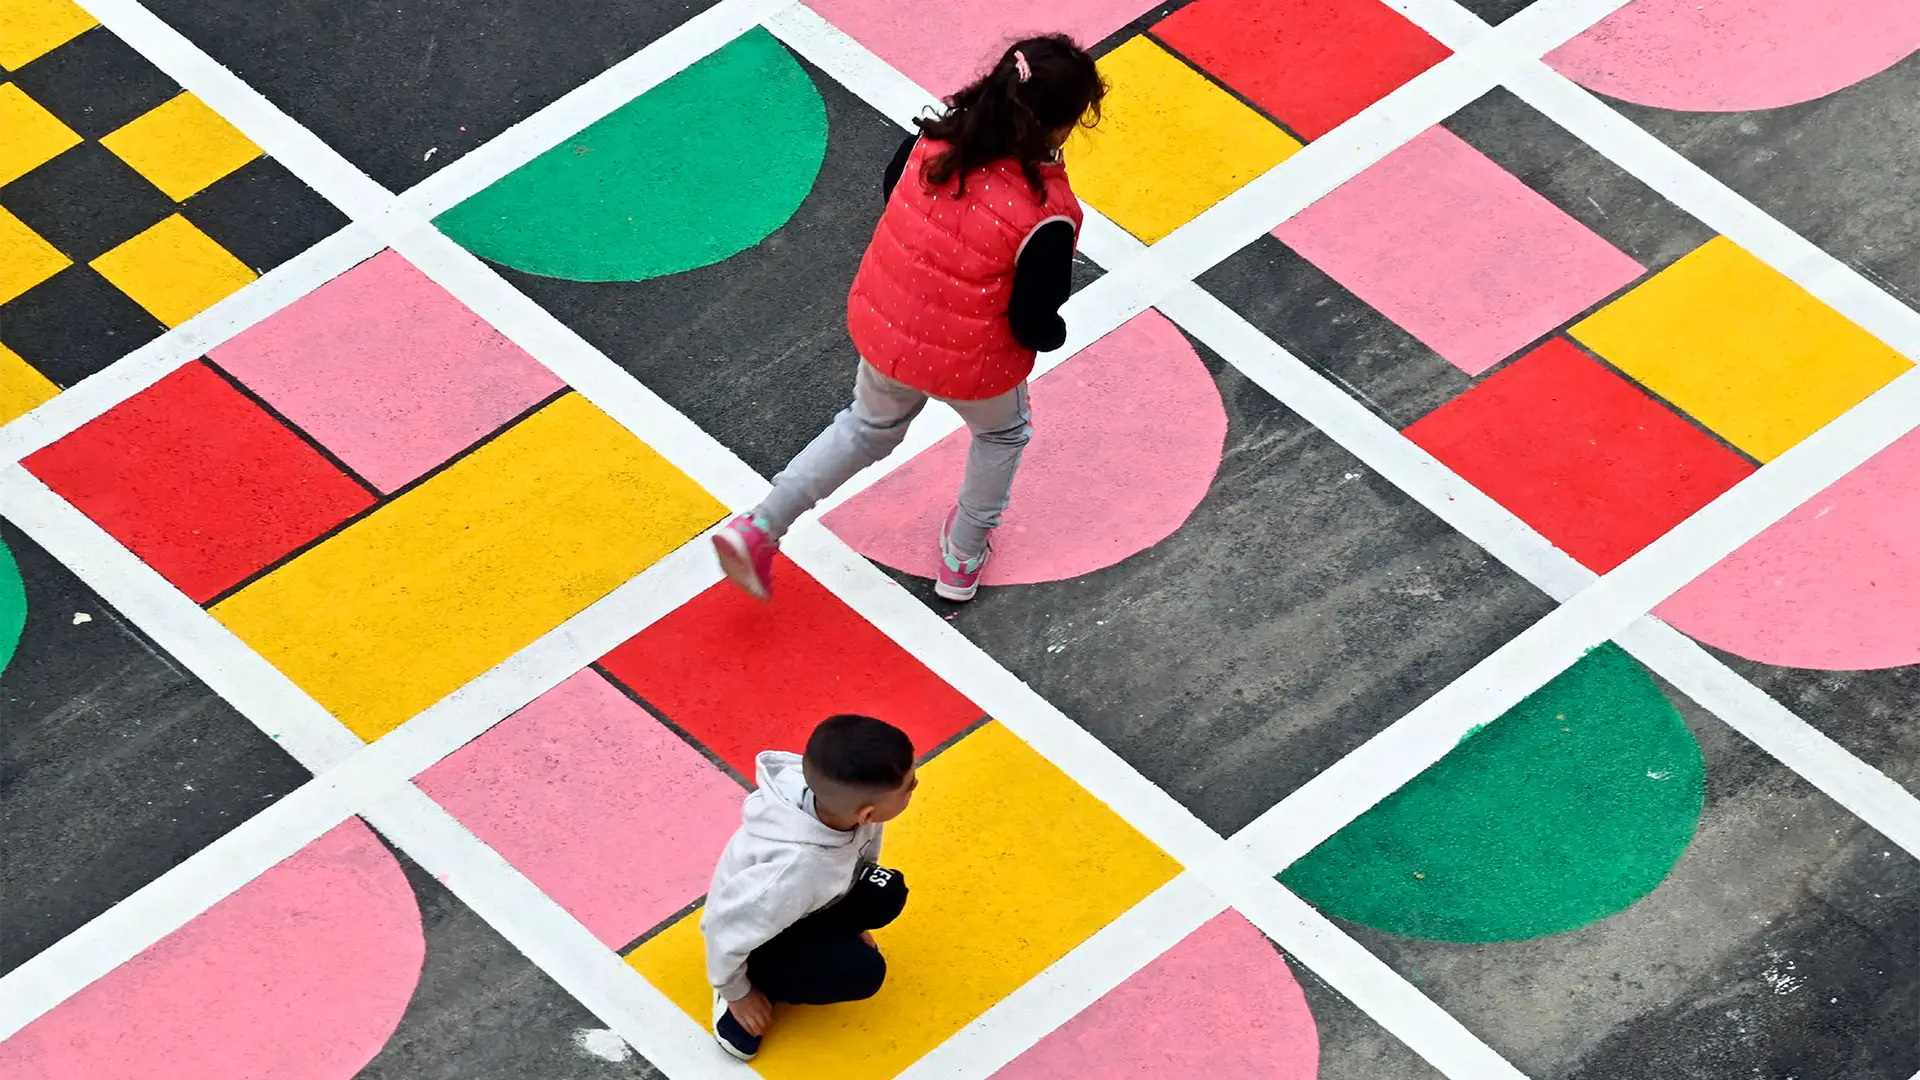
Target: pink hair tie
x: 1020, y: 65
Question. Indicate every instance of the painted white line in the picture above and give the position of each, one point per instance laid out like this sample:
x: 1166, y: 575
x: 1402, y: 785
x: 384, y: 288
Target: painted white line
x: 1864, y: 791
x: 1856, y: 786
x: 852, y: 65
x: 1446, y: 22
x: 1375, y: 442
x: 378, y: 218
x: 1740, y: 514
x: 653, y: 64
x: 167, y: 903
x: 284, y: 139
x: 1437, y: 1036
x: 500, y: 895
x: 1718, y: 207
x: 228, y: 666
x: 158, y: 358
x: 551, y: 937
x: 1138, y: 275
x: 1097, y: 965
x: 1315, y: 170
x: 1223, y: 867
x: 1000, y: 694
x: 1376, y: 989
x: 1658, y: 165
x: 1593, y: 614
x: 1405, y: 748
x: 1347, y: 150
x: 469, y: 712
x: 583, y: 367
x: 358, y: 773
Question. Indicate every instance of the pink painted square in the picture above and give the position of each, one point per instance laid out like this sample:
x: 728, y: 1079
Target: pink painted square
x: 944, y: 46
x: 1458, y: 251
x: 387, y: 370
x: 598, y: 803
x: 1221, y: 1004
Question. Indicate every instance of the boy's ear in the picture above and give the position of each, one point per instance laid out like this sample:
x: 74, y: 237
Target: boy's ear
x: 864, y: 815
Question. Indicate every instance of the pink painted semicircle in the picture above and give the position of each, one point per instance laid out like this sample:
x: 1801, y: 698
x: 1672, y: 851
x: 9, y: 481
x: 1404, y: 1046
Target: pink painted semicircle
x: 1737, y: 55
x: 1835, y: 585
x: 1221, y: 1005
x: 302, y: 974
x: 1127, y: 436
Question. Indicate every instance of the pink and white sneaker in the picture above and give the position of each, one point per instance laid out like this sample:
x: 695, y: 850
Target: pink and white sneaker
x: 746, y: 554
x: 959, y: 578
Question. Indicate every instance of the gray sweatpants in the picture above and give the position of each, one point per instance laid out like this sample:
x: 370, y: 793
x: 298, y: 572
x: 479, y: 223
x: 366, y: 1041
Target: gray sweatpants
x: 875, y: 424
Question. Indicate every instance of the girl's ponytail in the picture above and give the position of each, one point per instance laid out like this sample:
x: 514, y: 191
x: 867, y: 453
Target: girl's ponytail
x: 1015, y: 110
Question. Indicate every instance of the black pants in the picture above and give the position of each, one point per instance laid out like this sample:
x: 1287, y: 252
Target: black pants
x: 821, y: 959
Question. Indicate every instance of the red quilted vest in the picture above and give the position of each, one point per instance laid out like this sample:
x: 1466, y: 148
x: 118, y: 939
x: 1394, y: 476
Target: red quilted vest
x: 929, y: 305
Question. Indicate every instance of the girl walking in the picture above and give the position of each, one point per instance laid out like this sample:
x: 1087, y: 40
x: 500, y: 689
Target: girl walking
x: 961, y: 285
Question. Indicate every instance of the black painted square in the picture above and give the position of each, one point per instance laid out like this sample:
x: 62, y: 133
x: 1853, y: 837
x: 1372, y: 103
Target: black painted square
x: 1496, y: 11
x: 115, y: 762
x: 96, y: 83
x: 263, y: 214
x: 74, y: 324
x: 86, y: 201
x: 384, y: 83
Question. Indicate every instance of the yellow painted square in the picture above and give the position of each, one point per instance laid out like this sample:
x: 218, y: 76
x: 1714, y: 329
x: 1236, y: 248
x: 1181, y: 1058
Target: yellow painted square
x: 22, y: 389
x: 1009, y: 866
x: 173, y: 270
x: 30, y: 136
x: 414, y: 600
x: 181, y: 146
x: 30, y: 28
x: 1169, y: 144
x: 26, y: 259
x: 1742, y: 349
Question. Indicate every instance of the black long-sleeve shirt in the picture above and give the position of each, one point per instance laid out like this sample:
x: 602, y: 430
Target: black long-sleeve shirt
x: 1042, y: 279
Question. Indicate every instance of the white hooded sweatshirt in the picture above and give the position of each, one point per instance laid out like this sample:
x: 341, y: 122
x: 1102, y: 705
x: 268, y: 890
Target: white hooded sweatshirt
x: 781, y: 866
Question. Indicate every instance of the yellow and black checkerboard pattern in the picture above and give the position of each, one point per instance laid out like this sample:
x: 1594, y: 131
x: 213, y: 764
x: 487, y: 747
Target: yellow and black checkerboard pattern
x: 67, y: 199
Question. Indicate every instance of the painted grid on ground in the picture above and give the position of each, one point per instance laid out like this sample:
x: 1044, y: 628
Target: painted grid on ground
x: 1138, y: 275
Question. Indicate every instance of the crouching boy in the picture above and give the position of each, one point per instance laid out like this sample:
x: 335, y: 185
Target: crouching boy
x: 799, y: 888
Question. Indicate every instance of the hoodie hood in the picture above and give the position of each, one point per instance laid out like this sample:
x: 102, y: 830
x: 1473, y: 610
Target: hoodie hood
x: 781, y: 865
x: 777, y: 810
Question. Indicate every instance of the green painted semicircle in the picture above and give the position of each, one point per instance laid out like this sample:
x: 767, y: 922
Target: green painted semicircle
x: 701, y: 167
x: 1572, y: 806
x: 13, y: 605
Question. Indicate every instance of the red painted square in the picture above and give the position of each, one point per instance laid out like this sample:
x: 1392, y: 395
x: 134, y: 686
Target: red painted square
x: 1579, y: 453
x: 1311, y: 63
x: 742, y: 677
x: 198, y: 481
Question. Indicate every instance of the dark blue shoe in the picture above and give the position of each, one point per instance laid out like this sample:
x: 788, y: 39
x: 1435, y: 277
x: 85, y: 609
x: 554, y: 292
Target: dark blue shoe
x: 727, y: 1031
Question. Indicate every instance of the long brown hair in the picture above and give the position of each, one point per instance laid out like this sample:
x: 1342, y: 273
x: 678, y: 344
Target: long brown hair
x: 1040, y: 85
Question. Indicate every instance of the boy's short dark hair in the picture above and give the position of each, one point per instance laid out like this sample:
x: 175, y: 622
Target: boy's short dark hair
x: 852, y: 758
